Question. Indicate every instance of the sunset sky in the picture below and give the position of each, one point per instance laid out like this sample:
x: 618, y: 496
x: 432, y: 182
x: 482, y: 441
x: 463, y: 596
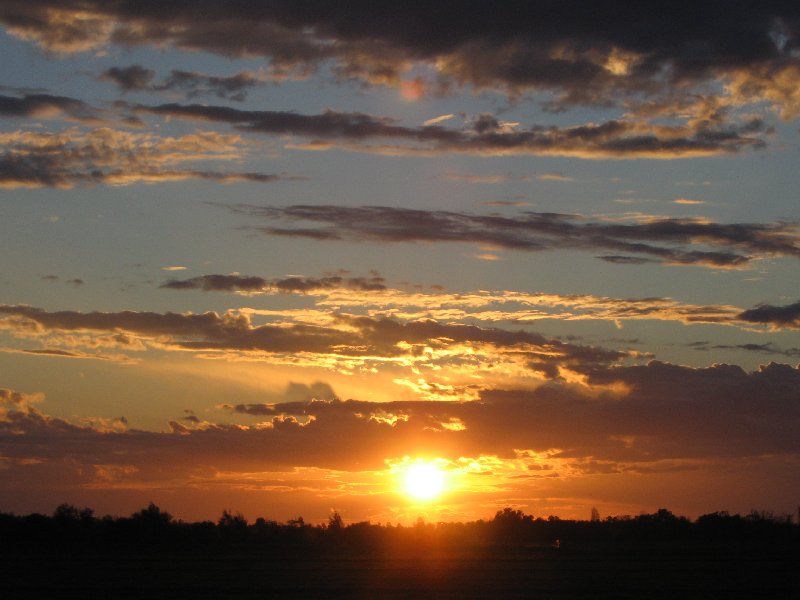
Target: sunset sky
x: 266, y: 256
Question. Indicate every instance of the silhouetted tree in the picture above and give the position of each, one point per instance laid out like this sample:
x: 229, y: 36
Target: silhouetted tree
x: 233, y: 526
x: 511, y: 525
x: 335, y: 522
x: 152, y: 516
x: 299, y: 522
x: 152, y: 523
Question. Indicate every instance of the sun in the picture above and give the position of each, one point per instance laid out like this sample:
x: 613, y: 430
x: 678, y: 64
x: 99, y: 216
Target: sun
x: 423, y: 480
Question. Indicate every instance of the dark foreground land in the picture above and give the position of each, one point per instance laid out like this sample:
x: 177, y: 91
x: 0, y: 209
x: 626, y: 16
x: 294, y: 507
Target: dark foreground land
x: 642, y: 558
x: 640, y: 573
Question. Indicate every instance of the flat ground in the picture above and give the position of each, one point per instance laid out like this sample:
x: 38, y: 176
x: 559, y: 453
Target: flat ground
x: 641, y: 572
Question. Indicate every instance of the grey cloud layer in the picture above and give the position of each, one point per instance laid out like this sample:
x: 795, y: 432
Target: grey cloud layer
x: 667, y: 240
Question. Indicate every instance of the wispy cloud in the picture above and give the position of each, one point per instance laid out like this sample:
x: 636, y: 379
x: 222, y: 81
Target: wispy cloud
x: 115, y: 157
x: 485, y: 135
x: 439, y: 119
x: 669, y: 241
x: 555, y: 177
x: 191, y: 84
x: 291, y: 284
x: 340, y: 341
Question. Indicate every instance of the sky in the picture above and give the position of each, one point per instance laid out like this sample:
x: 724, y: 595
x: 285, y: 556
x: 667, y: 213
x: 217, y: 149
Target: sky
x: 268, y: 256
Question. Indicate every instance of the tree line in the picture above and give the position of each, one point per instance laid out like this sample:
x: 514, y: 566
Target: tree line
x: 151, y: 526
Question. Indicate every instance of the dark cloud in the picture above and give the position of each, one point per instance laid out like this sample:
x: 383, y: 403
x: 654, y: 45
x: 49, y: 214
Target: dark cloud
x: 233, y: 87
x: 615, y: 138
x: 669, y: 413
x: 593, y: 54
x: 626, y: 260
x: 130, y: 79
x: 666, y: 240
x: 766, y: 348
x: 37, y: 106
x: 778, y: 316
x: 192, y: 84
x: 76, y: 282
x: 289, y: 285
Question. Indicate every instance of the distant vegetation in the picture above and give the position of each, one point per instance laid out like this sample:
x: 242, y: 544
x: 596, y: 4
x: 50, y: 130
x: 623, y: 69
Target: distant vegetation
x: 151, y: 525
x: 74, y: 554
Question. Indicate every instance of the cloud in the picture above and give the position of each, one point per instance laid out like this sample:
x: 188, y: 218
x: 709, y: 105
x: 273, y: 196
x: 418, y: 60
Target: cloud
x: 765, y: 348
x: 288, y: 285
x: 626, y: 260
x: 133, y: 78
x: 17, y: 399
x: 555, y: 177
x: 439, y: 119
x: 339, y: 341
x: 613, y: 53
x: 114, y: 157
x: 665, y: 417
x: 618, y: 138
x: 485, y: 179
x: 669, y: 241
x: 61, y: 353
x: 775, y: 316
x: 45, y: 106
x: 192, y: 84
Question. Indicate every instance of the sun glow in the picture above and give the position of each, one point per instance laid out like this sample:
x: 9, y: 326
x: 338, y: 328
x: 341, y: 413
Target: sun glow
x: 423, y: 480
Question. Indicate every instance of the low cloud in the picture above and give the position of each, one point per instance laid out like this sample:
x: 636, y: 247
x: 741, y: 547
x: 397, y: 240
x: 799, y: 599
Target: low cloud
x: 668, y: 418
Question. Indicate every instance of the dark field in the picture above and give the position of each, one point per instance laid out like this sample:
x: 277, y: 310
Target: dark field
x: 640, y: 571
x: 73, y: 554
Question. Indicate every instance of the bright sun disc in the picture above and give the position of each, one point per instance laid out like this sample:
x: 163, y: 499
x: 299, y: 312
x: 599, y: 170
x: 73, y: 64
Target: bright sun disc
x: 423, y: 481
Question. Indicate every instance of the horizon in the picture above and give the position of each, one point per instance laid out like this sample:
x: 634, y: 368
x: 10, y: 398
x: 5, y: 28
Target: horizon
x: 395, y: 262
x: 68, y: 513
